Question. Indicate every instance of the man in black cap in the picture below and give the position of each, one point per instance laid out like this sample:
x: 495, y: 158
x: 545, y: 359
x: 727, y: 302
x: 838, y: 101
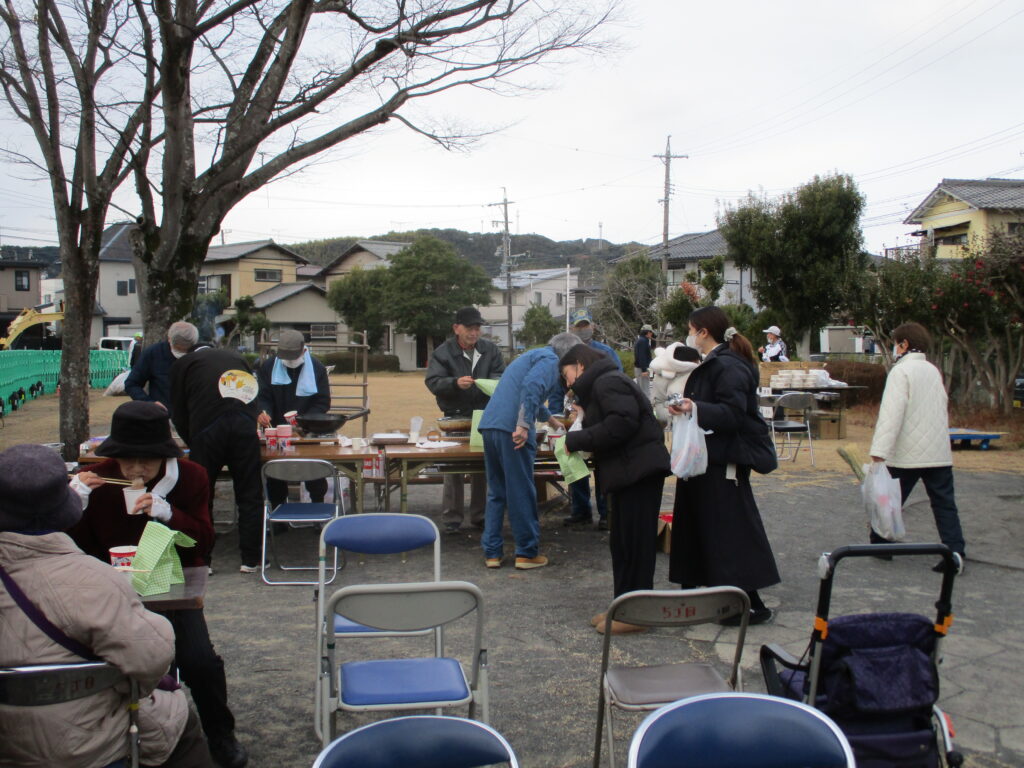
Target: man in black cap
x: 454, y: 366
x: 140, y: 448
x: 213, y: 399
x: 293, y: 380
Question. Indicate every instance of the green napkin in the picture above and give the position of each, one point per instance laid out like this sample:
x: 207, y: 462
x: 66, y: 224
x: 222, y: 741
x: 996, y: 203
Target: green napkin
x: 487, y: 386
x: 158, y: 559
x: 573, y: 465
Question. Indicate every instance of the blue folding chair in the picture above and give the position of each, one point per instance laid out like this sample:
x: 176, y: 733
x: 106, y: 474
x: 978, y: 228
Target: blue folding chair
x: 724, y: 730
x: 419, y: 741
x: 297, y: 512
x: 41, y: 684
x: 433, y: 681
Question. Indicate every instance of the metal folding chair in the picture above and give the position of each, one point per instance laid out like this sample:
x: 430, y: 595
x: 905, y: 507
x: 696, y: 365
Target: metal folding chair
x: 432, y: 681
x: 641, y: 688
x: 293, y: 512
x: 790, y: 428
x: 721, y: 730
x: 419, y: 741
x: 41, y: 684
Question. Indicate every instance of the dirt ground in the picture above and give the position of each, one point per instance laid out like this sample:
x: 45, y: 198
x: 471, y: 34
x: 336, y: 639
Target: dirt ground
x: 394, y: 398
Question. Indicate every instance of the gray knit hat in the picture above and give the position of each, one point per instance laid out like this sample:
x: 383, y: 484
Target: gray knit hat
x: 34, y: 491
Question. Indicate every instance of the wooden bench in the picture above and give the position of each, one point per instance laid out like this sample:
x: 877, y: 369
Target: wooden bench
x: 966, y: 437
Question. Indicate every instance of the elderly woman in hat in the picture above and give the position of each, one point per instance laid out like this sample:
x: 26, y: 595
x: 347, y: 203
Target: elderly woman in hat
x: 90, y: 608
x: 775, y: 351
x: 140, y: 449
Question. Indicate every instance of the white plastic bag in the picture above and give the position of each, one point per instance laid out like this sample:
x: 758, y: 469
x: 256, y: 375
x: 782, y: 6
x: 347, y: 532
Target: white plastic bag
x: 689, y: 449
x: 116, y: 386
x: 882, y: 499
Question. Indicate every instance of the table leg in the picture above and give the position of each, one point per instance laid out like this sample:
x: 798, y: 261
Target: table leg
x: 404, y: 496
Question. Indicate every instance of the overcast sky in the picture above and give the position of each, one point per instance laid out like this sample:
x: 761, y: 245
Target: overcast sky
x: 761, y: 96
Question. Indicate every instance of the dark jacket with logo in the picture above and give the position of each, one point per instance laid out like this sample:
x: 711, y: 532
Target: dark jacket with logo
x: 195, y: 391
x: 448, y: 364
x: 619, y: 428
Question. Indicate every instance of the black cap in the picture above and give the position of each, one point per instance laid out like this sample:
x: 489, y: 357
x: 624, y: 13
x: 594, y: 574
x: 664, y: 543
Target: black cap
x: 469, y: 316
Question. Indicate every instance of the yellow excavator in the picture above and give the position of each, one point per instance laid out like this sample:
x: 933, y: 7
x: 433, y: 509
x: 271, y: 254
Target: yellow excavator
x: 26, y: 319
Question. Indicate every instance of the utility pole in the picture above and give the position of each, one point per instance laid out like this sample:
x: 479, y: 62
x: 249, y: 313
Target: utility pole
x: 667, y: 160
x: 506, y: 262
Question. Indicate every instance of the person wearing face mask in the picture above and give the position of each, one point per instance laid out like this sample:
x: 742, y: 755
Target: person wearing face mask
x: 912, y: 432
x: 293, y: 380
x: 583, y: 326
x: 150, y: 377
x: 140, y: 448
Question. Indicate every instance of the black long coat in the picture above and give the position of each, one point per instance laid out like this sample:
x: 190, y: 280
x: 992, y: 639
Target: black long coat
x: 619, y: 428
x: 717, y: 534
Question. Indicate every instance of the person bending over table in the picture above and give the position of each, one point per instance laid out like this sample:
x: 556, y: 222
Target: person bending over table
x: 140, y: 448
x: 92, y: 613
x: 510, y: 447
x: 628, y: 448
x: 293, y: 380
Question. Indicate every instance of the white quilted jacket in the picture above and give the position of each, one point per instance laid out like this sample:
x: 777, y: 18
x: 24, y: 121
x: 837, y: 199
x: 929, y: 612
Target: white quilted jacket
x: 913, y: 422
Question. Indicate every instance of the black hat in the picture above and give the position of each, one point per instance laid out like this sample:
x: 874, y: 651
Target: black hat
x: 469, y: 316
x: 139, y: 429
x: 34, y: 491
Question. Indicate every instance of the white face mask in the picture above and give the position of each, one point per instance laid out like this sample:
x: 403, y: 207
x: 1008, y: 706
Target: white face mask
x: 585, y: 334
x: 296, y: 363
x: 895, y: 352
x: 691, y: 342
x: 177, y: 353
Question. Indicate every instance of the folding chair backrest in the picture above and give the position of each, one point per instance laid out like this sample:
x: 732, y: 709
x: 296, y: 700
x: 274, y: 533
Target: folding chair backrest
x: 42, y: 684
x: 796, y: 401
x: 668, y: 608
x: 298, y: 470
x: 722, y: 730
x: 422, y: 741
x: 380, y: 533
x: 407, y: 607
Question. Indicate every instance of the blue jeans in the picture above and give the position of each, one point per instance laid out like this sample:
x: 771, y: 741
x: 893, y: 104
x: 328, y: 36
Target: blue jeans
x: 509, y: 485
x: 580, y: 493
x: 938, y: 482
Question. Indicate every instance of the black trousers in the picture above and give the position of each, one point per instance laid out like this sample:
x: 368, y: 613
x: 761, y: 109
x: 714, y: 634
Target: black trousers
x: 633, y: 540
x: 231, y: 441
x: 277, y: 490
x: 202, y: 670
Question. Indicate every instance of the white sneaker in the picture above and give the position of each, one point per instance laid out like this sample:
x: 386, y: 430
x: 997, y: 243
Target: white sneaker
x: 248, y: 568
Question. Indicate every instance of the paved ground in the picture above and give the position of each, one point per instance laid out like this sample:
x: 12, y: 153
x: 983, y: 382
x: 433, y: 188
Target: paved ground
x: 544, y: 656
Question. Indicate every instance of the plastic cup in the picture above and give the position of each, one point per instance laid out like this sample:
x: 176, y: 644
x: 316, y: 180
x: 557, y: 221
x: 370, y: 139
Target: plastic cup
x: 284, y: 430
x: 131, y: 495
x: 271, y: 434
x: 292, y: 418
x: 358, y: 444
x: 122, y: 556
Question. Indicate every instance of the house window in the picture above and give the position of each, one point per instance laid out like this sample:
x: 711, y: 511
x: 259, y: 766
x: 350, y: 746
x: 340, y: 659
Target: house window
x: 559, y: 299
x: 1015, y: 228
x: 537, y: 298
x: 21, y: 280
x: 268, y: 275
x: 952, y: 240
x: 214, y: 283
x: 323, y: 330
x: 125, y: 287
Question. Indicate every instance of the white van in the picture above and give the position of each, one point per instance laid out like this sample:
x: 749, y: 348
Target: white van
x: 121, y: 343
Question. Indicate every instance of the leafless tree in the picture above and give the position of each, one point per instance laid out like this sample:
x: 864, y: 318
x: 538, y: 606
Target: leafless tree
x: 201, y: 103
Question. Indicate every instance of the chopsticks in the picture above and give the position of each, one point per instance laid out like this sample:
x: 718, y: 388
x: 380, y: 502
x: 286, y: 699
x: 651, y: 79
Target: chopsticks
x: 113, y: 481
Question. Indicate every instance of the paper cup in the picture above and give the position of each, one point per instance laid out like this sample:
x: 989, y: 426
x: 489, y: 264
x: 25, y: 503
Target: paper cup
x: 358, y: 443
x: 122, y: 556
x: 292, y: 418
x: 131, y: 495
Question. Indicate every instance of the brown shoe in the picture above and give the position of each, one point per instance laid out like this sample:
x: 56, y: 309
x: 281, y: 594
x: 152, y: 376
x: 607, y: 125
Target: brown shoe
x: 493, y: 562
x: 597, y: 619
x: 525, y: 563
x: 621, y: 628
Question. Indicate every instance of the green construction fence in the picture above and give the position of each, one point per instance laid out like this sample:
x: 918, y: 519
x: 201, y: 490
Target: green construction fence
x: 21, y: 368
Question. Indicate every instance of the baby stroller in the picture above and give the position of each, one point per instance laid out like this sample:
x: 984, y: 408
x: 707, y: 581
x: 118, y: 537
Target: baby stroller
x: 875, y: 674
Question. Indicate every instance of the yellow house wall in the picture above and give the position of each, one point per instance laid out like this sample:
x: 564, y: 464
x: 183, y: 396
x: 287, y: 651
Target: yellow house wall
x: 307, y: 307
x: 243, y: 271
x: 362, y: 259
x: 953, y: 216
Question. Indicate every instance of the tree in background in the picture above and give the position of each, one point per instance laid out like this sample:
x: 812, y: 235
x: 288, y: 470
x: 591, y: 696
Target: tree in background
x: 205, y: 310
x: 804, y: 249
x: 200, y: 104
x: 630, y: 298
x: 360, y: 297
x: 426, y: 284
x: 538, y: 326
x: 701, y: 288
x: 247, y: 321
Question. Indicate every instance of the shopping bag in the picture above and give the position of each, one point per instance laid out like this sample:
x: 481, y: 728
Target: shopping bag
x: 689, y: 449
x: 156, y: 564
x: 882, y: 500
x: 487, y: 386
x: 476, y: 440
x: 573, y: 465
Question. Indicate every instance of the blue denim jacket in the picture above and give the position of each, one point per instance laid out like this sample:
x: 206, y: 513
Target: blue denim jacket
x: 525, y: 386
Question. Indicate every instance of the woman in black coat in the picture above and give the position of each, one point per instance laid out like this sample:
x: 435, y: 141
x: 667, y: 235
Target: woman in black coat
x: 717, y: 534
x: 628, y: 448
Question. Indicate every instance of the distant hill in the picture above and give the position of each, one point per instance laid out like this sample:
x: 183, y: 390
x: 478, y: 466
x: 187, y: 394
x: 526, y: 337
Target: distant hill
x: 532, y: 251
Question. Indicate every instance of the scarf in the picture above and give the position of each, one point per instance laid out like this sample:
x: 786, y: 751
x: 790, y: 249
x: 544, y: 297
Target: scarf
x: 306, y: 385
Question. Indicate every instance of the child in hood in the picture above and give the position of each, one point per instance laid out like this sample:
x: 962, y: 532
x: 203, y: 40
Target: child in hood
x: 671, y: 366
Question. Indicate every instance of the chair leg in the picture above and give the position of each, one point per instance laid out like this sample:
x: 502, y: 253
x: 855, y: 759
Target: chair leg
x: 600, y: 723
x: 610, y: 732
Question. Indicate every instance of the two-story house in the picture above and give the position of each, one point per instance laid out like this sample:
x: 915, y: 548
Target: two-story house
x: 960, y: 213
x: 551, y: 288
x: 686, y: 254
x: 19, y: 288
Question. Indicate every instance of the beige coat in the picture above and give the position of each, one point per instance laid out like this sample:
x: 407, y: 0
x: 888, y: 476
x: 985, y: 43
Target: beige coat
x: 913, y: 419
x: 92, y: 603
